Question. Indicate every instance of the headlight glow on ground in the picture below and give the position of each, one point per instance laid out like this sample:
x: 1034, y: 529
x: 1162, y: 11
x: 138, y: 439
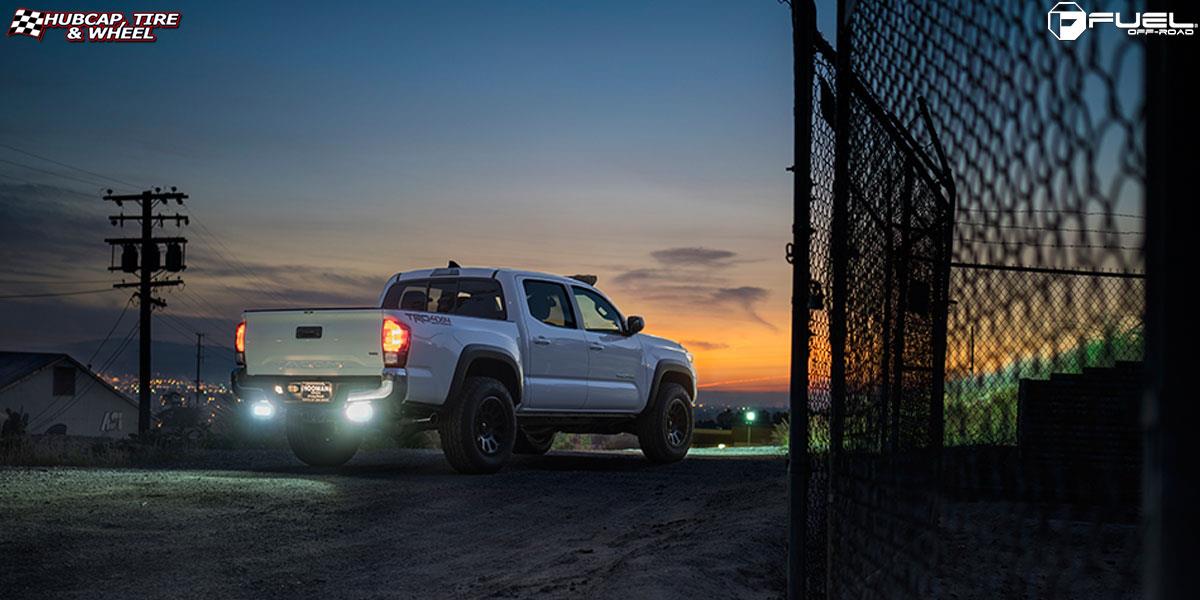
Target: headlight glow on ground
x: 263, y: 409
x: 359, y: 412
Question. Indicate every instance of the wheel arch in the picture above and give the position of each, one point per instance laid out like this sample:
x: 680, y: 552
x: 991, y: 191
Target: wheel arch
x: 670, y: 371
x: 488, y: 361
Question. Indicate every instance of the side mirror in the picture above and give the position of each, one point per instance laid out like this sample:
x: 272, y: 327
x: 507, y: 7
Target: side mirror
x: 634, y: 324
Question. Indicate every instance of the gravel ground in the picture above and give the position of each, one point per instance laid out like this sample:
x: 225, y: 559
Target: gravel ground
x: 396, y: 524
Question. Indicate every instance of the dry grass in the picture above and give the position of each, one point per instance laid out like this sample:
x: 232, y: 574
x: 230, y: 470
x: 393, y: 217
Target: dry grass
x: 76, y: 451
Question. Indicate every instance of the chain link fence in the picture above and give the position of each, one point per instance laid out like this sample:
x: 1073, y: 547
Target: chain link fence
x: 976, y: 312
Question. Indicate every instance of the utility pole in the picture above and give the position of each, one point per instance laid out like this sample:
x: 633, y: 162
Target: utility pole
x: 199, y: 358
x: 147, y: 268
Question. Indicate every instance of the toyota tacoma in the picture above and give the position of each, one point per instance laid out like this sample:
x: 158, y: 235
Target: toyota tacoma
x: 497, y: 361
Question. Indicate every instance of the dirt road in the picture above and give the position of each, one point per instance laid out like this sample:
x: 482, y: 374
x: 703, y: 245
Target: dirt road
x: 396, y: 524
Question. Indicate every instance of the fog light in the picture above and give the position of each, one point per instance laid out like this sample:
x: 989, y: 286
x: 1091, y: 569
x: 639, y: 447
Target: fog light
x: 359, y: 412
x: 279, y: 390
x: 263, y: 409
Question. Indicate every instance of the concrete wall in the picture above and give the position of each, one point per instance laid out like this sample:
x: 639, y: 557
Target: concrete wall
x: 95, y: 410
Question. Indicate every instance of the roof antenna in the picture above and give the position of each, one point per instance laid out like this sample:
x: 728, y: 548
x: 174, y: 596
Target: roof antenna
x: 453, y: 265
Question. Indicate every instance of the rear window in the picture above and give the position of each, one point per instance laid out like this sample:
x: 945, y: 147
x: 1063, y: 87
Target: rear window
x: 480, y: 298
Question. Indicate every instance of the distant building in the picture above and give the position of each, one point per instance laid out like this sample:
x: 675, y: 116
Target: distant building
x: 60, y: 395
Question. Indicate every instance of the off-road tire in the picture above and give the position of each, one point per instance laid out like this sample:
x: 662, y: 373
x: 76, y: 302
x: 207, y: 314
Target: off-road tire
x: 535, y: 442
x: 480, y: 429
x: 664, y: 431
x: 323, y: 444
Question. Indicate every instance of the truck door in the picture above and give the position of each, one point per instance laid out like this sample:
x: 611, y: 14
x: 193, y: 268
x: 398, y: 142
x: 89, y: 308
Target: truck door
x: 614, y: 359
x: 557, y: 351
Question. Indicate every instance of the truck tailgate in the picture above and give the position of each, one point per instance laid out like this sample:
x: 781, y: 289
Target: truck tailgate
x: 325, y: 342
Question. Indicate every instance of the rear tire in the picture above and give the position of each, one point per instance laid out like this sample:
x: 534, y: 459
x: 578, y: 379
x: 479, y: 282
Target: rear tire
x: 534, y: 442
x: 322, y: 444
x: 665, y: 430
x: 479, y: 431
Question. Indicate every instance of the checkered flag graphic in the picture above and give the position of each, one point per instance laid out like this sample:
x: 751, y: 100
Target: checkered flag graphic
x: 27, y: 22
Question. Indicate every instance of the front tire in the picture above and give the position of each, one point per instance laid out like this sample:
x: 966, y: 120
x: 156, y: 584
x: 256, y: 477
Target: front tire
x: 322, y: 444
x: 480, y: 430
x: 536, y: 442
x: 665, y: 430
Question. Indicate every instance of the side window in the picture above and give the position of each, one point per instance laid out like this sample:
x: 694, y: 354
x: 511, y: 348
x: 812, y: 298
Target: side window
x: 480, y: 298
x: 441, y: 296
x: 548, y: 303
x: 598, y: 313
x: 408, y: 295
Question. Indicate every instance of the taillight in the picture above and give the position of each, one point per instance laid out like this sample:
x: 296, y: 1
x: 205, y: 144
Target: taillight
x: 239, y: 344
x: 395, y: 343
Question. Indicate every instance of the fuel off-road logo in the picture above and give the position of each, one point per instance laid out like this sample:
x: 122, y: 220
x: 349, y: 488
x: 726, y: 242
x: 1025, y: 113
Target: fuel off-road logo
x: 1067, y: 21
x: 93, y: 26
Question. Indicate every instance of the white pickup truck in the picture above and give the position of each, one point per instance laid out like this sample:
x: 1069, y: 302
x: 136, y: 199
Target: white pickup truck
x: 497, y: 361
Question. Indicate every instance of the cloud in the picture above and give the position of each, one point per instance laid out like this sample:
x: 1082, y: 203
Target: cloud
x: 703, y: 345
x: 745, y: 298
x: 694, y: 277
x: 694, y: 256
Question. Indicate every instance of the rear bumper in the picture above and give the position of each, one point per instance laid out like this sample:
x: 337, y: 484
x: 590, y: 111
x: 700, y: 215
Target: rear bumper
x: 387, y: 390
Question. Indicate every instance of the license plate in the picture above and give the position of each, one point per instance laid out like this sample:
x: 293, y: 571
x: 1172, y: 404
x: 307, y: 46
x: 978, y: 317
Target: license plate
x: 316, y: 391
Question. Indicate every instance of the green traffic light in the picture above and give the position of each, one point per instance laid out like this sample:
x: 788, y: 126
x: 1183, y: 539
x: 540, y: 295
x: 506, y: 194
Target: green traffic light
x: 751, y: 416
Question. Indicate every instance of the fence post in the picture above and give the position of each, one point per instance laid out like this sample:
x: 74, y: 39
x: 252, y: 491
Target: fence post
x: 941, y: 271
x: 1169, y: 484
x: 803, y: 14
x: 839, y: 252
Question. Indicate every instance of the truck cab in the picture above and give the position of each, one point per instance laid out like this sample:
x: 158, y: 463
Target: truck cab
x: 496, y: 360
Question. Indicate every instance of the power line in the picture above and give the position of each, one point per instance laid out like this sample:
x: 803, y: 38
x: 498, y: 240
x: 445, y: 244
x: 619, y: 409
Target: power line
x: 181, y: 329
x: 210, y: 331
x: 48, y: 282
x: 128, y: 303
x: 47, y: 171
x: 194, y: 300
x: 191, y: 302
x: 72, y: 167
x: 184, y: 329
x: 233, y: 262
x: 55, y: 294
x: 88, y: 195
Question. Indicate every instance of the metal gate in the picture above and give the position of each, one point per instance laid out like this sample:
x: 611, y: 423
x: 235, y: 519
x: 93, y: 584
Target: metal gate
x: 974, y: 303
x: 890, y: 258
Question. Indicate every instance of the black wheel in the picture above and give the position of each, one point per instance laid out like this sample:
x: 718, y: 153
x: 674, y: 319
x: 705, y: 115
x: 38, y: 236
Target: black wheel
x: 322, y: 444
x: 665, y: 430
x: 479, y: 431
x: 537, y: 441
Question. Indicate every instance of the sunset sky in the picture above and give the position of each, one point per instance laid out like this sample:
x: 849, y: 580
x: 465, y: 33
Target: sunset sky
x: 644, y: 142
